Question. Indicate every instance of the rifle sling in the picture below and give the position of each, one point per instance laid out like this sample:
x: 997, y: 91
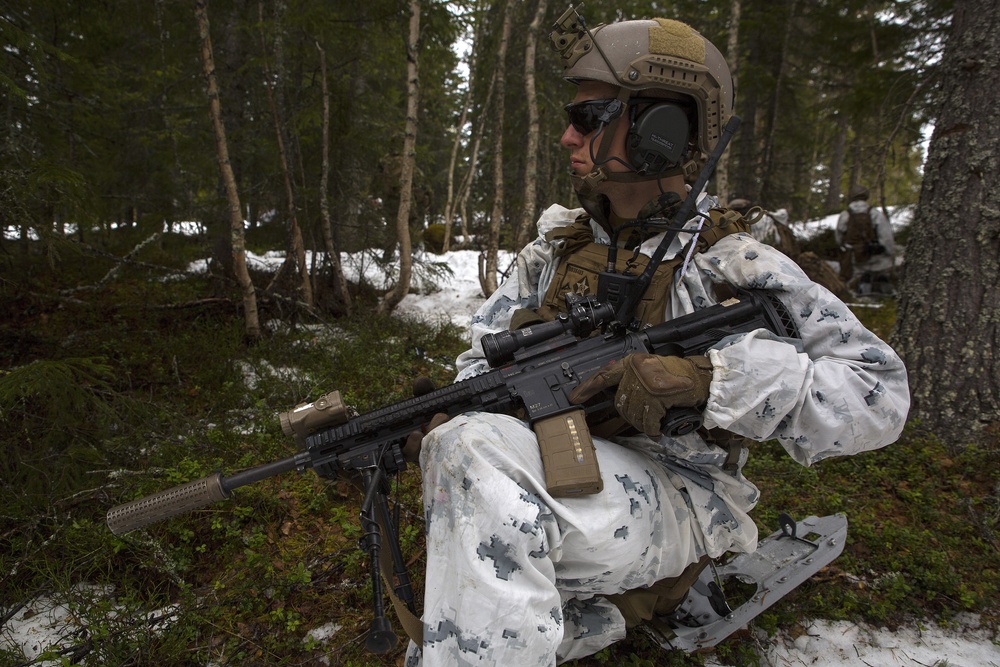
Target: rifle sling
x: 410, y: 622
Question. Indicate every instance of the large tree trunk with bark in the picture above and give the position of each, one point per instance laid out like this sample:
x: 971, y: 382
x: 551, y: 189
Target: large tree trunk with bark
x: 948, y: 328
x: 252, y: 324
x: 396, y: 294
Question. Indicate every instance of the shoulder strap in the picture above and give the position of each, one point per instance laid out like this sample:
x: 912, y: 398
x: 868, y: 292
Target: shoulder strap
x: 572, y: 237
x: 725, y: 221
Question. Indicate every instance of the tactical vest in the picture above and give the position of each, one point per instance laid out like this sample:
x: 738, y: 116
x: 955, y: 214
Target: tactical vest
x: 581, y: 261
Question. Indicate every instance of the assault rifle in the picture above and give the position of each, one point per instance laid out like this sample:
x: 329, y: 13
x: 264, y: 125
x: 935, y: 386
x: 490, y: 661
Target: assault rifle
x: 534, y: 371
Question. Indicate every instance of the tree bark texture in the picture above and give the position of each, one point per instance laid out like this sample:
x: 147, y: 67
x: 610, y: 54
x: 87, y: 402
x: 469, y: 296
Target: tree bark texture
x: 525, y: 231
x: 252, y: 324
x: 768, y: 166
x: 949, y: 306
x: 488, y: 272
x: 833, y: 195
x: 396, y: 294
x: 449, y: 206
x: 745, y: 146
x: 479, y: 128
x: 732, y: 57
x: 454, y: 201
x: 342, y: 294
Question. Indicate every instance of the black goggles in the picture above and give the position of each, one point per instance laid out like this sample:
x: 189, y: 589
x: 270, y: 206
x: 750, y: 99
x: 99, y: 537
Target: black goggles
x: 587, y: 116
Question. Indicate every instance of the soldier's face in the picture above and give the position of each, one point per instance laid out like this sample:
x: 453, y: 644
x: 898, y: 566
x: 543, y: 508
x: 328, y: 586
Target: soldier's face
x: 583, y: 137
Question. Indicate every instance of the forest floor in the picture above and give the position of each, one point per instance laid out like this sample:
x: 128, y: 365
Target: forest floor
x: 122, y: 379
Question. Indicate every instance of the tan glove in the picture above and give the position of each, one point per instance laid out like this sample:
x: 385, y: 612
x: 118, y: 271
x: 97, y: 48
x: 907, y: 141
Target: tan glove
x: 648, y: 386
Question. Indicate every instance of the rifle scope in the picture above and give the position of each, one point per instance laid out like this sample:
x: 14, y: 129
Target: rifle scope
x: 584, y: 316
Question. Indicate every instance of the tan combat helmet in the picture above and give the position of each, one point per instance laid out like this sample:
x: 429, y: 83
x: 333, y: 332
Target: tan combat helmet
x: 660, y: 57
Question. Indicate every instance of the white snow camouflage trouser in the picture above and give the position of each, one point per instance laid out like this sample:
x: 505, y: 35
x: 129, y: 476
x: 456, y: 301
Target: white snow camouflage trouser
x: 512, y: 572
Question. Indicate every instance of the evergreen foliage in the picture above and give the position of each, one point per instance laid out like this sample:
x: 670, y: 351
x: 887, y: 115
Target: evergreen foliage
x: 107, y: 118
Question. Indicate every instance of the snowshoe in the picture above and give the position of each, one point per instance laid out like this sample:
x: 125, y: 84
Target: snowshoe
x: 783, y: 560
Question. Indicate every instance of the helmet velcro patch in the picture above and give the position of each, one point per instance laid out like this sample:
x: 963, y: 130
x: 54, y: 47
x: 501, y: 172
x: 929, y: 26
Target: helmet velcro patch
x: 673, y: 38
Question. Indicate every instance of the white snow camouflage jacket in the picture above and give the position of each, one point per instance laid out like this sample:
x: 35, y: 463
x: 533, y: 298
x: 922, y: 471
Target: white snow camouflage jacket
x: 838, y: 391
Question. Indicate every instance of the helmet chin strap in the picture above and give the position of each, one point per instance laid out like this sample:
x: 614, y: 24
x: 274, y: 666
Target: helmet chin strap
x: 586, y: 186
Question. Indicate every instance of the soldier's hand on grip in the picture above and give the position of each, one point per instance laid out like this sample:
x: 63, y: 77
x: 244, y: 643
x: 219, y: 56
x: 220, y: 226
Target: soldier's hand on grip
x: 649, y: 385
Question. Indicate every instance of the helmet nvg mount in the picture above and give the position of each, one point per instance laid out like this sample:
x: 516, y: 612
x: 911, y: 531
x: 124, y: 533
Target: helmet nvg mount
x: 659, y: 58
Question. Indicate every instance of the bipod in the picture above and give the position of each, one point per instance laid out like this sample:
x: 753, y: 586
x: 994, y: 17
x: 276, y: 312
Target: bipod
x: 381, y: 638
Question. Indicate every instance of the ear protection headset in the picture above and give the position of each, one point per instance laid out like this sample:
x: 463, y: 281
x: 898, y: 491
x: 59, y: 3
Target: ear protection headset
x: 658, y: 138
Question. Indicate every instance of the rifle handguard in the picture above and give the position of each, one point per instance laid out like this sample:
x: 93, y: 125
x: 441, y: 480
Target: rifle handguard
x: 166, y: 504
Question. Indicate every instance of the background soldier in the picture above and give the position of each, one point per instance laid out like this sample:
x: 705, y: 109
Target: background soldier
x: 867, y: 246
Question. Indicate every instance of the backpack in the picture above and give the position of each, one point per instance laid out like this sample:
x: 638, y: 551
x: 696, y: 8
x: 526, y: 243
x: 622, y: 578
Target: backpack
x: 860, y: 237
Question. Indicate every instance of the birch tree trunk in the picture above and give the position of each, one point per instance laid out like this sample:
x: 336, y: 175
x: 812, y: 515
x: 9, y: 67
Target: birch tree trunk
x: 525, y: 230
x: 252, y: 324
x: 297, y: 249
x: 455, y: 200
x: 449, y: 206
x: 488, y: 269
x: 466, y: 189
x: 948, y: 326
x: 392, y: 298
x: 342, y: 295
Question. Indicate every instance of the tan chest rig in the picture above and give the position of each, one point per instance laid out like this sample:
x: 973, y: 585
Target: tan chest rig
x: 581, y: 260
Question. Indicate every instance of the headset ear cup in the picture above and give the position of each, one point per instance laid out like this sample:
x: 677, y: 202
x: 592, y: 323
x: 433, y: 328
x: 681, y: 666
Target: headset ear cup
x: 658, y: 139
